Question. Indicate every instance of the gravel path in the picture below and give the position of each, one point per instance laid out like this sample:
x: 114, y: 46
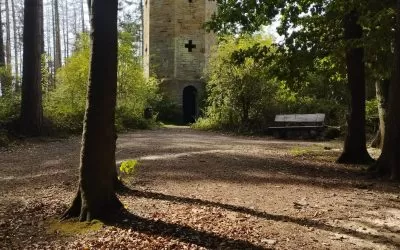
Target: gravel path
x: 203, y: 190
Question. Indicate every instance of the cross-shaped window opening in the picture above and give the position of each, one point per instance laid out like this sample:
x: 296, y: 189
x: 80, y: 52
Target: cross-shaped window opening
x: 190, y: 46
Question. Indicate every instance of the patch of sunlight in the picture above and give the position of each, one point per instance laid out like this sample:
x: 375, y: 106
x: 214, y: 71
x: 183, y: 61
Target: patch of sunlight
x: 297, y: 151
x: 374, y: 152
x: 70, y: 228
x: 12, y: 177
x: 300, y: 151
x: 186, y: 154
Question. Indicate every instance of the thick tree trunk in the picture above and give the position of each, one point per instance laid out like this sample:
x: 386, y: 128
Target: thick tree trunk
x: 355, y: 149
x: 389, y: 161
x: 42, y: 28
x: 382, y: 88
x: 31, y: 100
x: 96, y: 198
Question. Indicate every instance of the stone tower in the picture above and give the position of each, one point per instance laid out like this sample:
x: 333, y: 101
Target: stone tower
x: 176, y: 49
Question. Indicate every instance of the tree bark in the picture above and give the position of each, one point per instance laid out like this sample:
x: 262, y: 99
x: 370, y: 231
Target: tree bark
x: 31, y: 99
x: 8, y: 35
x: 389, y: 161
x: 382, y: 88
x: 16, y: 66
x: 83, y: 16
x: 96, y: 198
x: 57, y: 45
x: 2, y: 60
x: 355, y: 149
x: 65, y: 31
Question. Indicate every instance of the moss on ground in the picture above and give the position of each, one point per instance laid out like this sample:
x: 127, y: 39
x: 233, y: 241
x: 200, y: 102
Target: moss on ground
x: 73, y: 227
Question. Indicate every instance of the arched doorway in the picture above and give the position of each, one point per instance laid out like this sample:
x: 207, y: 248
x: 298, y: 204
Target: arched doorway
x: 189, y: 104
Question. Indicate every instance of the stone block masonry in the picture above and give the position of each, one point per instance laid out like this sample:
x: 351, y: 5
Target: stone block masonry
x: 176, y: 45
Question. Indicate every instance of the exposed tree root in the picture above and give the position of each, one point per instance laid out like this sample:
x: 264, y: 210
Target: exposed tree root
x: 84, y: 212
x: 355, y: 158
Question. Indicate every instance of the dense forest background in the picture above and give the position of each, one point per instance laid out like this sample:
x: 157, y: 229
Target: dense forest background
x: 65, y: 66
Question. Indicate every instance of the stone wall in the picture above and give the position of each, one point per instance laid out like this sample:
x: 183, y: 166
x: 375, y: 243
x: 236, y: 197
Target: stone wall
x: 176, y: 45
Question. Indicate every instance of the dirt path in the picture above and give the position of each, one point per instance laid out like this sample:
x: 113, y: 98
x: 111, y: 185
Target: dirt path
x: 201, y: 190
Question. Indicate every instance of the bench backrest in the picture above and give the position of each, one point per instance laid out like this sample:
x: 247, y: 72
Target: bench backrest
x: 301, y: 118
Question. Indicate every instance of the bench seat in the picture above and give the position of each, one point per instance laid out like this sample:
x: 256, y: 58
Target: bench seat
x: 299, y: 125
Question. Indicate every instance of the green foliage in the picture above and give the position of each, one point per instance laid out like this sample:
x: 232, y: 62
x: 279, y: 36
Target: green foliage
x: 9, y: 108
x: 128, y: 167
x: 65, y: 105
x: 371, y: 114
x: 46, y: 74
x: 6, y: 80
x: 245, y: 89
x: 167, y: 110
x: 4, y: 140
x: 238, y: 88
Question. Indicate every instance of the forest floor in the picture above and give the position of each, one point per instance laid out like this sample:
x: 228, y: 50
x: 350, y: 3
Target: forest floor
x: 201, y: 190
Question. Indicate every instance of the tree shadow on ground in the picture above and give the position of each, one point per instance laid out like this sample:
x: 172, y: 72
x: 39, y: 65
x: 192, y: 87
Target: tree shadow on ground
x: 127, y: 220
x: 211, y: 240
x: 263, y: 169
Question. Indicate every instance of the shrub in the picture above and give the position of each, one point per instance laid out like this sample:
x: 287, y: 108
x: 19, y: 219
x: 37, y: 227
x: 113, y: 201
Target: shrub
x: 246, y: 87
x: 65, y: 104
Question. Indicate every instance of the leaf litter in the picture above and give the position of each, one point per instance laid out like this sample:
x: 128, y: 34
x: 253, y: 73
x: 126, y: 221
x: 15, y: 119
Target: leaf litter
x: 201, y: 190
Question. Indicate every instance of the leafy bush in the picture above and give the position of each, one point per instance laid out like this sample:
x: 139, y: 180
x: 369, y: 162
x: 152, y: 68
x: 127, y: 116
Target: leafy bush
x: 128, y: 167
x: 246, y: 87
x: 238, y: 93
x: 65, y: 105
x: 9, y: 108
x: 167, y: 110
x: 371, y: 114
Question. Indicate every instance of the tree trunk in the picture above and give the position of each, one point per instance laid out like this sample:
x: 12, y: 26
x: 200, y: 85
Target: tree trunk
x: 83, y: 16
x: 355, y: 149
x: 66, y: 31
x: 8, y: 35
x: 2, y: 60
x: 31, y: 100
x: 382, y: 88
x: 42, y: 28
x: 389, y: 161
x: 16, y: 68
x: 141, y: 31
x: 57, y: 46
x: 7, y: 79
x: 96, y: 198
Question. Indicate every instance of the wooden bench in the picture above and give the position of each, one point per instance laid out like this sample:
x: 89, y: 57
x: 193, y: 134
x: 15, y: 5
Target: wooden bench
x: 298, y: 125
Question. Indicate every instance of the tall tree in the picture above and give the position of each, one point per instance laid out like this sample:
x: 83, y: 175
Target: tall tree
x: 316, y: 27
x: 31, y: 100
x: 15, y: 35
x: 389, y: 161
x: 2, y: 60
x: 355, y: 148
x: 381, y: 88
x: 83, y: 16
x: 66, y: 31
x: 57, y: 39
x: 96, y: 198
x: 8, y: 35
